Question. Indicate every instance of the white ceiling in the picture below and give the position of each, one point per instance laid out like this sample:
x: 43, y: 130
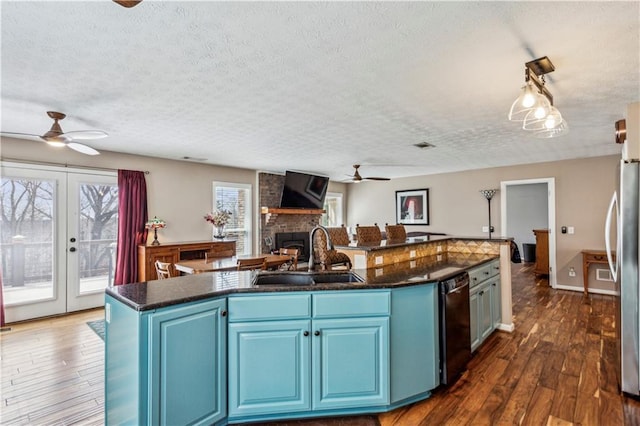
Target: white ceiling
x: 319, y: 86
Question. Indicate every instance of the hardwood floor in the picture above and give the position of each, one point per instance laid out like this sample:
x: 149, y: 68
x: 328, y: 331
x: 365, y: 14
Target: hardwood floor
x: 556, y: 368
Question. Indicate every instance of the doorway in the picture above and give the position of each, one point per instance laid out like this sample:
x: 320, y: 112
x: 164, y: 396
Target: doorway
x: 58, y: 229
x: 527, y: 205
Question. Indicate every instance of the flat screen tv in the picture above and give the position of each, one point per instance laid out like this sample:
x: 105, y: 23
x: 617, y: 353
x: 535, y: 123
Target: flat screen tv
x: 303, y: 191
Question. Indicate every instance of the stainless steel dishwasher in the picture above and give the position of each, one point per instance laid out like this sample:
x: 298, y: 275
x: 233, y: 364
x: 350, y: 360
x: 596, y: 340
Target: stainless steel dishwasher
x: 455, y: 331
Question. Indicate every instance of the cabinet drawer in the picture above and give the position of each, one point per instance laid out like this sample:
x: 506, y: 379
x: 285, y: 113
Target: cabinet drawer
x: 267, y: 307
x: 494, y: 268
x: 351, y: 304
x: 479, y: 274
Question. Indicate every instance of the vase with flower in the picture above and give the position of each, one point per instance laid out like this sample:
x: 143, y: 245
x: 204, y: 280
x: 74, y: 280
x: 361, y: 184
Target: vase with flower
x: 218, y: 219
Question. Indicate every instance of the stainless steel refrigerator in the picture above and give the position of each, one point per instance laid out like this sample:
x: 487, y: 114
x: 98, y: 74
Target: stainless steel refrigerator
x: 621, y: 234
x: 623, y: 218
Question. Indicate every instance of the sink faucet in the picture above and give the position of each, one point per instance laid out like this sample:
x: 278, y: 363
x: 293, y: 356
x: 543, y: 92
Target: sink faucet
x: 311, y: 234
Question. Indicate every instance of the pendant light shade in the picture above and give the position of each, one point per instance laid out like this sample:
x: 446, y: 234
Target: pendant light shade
x: 559, y: 130
x: 542, y: 118
x: 523, y: 104
x: 534, y: 107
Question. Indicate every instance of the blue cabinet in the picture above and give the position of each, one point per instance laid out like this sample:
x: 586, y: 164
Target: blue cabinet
x: 269, y: 367
x: 484, y: 302
x: 297, y: 354
x: 350, y: 363
x: 165, y: 366
x: 414, y: 344
x: 188, y: 365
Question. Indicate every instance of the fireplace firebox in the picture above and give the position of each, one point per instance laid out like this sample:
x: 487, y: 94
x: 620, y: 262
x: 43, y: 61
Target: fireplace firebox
x: 294, y: 240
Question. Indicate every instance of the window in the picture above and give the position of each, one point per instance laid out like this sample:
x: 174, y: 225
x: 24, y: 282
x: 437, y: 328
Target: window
x: 235, y: 197
x: 333, y: 208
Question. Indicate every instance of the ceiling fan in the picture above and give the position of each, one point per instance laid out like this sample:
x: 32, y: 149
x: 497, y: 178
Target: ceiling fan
x: 56, y: 137
x: 356, y: 178
x: 126, y: 3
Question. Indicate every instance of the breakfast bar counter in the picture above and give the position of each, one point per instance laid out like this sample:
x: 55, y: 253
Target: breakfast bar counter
x: 233, y: 347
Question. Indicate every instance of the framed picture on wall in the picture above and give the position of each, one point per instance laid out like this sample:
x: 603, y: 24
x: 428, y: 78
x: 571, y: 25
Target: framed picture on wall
x: 412, y: 207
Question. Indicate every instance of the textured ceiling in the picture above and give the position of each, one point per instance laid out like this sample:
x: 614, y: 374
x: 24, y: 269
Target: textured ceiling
x: 318, y: 87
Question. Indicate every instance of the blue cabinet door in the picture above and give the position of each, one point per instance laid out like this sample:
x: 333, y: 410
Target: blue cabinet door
x: 474, y: 316
x: 350, y: 362
x: 187, y: 366
x: 485, y: 302
x: 496, y: 299
x: 269, y: 370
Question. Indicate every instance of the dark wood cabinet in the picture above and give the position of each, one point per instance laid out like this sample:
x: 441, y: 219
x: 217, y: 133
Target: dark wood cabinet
x: 542, y: 251
x: 175, y: 252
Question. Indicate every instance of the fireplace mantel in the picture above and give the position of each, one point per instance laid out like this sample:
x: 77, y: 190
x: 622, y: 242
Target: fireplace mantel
x: 271, y: 211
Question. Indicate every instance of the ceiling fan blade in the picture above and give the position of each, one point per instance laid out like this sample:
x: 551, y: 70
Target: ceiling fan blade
x: 376, y: 178
x: 85, y: 135
x: 127, y: 3
x: 22, y: 136
x: 84, y: 149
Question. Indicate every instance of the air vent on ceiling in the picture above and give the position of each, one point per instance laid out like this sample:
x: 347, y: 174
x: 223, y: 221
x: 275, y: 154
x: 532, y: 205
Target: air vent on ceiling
x: 424, y: 145
x: 194, y: 158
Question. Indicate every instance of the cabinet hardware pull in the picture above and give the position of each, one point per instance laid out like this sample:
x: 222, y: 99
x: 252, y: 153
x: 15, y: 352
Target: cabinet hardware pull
x: 223, y: 313
x: 306, y: 333
x: 486, y: 272
x: 72, y: 249
x: 316, y: 333
x: 481, y: 293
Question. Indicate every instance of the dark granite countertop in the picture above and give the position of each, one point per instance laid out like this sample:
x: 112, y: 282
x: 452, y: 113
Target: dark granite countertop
x: 386, y: 244
x: 159, y: 293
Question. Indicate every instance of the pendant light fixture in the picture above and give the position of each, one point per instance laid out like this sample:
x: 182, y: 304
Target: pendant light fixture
x: 534, y: 107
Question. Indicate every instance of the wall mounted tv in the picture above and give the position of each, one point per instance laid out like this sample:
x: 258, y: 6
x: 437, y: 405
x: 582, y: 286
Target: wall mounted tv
x: 303, y: 191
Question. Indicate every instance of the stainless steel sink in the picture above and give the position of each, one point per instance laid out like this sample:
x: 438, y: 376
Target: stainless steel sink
x: 336, y: 277
x: 305, y: 278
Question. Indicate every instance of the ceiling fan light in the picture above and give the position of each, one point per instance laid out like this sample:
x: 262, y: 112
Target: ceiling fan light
x: 55, y: 143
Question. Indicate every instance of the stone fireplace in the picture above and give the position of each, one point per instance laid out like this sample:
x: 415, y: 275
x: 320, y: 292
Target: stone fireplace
x: 297, y: 222
x: 294, y: 240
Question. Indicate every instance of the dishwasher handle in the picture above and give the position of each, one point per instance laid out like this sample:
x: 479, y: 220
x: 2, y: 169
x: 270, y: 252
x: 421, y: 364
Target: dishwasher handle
x: 459, y: 289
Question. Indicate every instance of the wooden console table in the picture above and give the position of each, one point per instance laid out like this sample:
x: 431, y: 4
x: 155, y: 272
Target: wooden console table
x: 175, y: 252
x: 589, y: 257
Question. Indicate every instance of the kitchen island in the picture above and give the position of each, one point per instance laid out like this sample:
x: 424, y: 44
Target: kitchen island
x: 218, y: 348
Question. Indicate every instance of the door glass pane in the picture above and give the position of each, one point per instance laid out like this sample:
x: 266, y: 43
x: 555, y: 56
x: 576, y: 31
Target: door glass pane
x: 333, y: 209
x: 27, y: 232
x: 237, y: 199
x: 98, y: 229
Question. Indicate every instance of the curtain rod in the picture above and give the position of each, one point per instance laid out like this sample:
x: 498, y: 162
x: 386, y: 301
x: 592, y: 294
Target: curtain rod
x: 44, y: 163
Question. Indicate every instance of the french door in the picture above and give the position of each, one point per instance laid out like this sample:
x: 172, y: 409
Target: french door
x: 58, y: 232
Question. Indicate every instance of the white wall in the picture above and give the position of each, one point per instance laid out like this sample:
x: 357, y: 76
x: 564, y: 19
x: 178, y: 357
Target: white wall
x: 179, y: 192
x: 583, y: 191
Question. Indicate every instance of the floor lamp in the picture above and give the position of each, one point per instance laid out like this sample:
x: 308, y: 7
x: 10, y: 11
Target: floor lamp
x: 488, y: 194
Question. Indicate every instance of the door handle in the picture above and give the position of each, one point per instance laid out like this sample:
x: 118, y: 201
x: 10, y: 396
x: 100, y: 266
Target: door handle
x: 72, y: 249
x: 607, y: 235
x: 73, y: 239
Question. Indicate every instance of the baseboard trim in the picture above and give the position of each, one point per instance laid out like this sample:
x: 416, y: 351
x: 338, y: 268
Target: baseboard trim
x: 591, y: 290
x: 507, y: 327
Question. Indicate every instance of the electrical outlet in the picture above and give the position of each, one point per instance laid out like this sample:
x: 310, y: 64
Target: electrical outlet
x: 485, y: 229
x: 438, y: 249
x: 412, y: 254
x: 572, y: 272
x: 379, y: 260
x: 572, y: 230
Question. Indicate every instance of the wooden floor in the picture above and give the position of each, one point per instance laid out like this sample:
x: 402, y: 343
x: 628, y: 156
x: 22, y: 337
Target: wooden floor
x: 556, y: 368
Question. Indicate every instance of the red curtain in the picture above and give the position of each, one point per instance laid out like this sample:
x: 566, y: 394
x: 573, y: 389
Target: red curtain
x: 132, y: 216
